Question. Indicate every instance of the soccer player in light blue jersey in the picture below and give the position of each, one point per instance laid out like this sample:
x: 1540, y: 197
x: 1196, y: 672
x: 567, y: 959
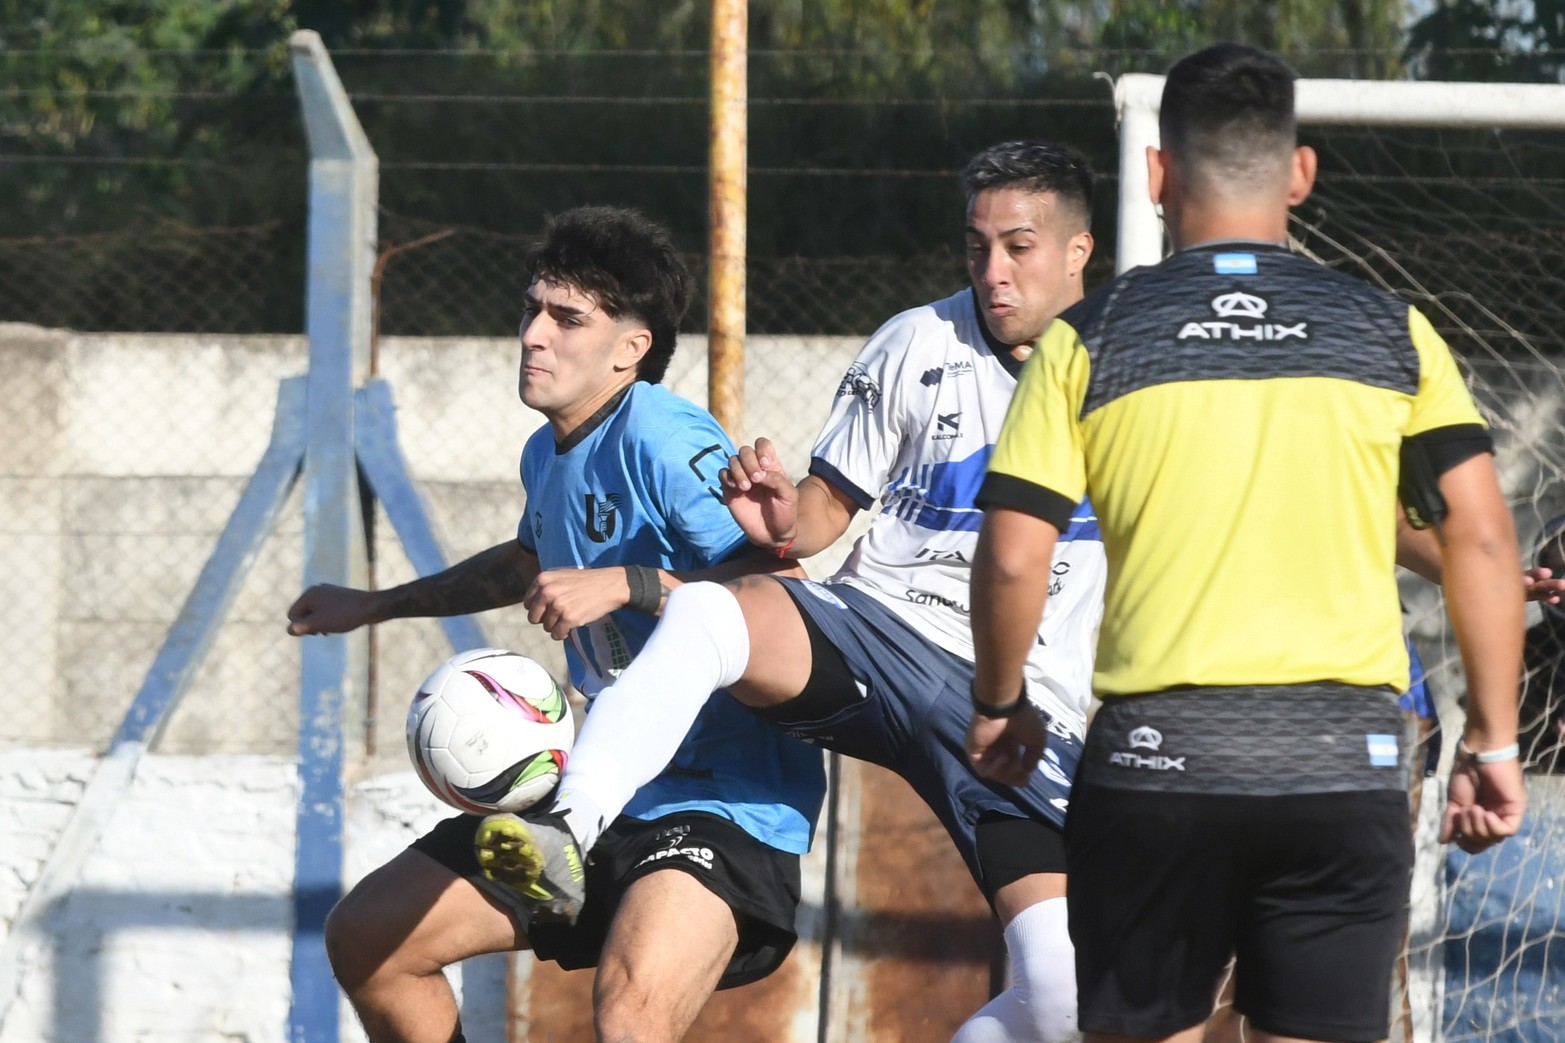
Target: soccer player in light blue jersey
x: 622, y: 499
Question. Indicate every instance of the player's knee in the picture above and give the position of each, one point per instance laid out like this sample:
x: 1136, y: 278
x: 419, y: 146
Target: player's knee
x: 624, y: 1010
x: 358, y: 945
x: 1043, y: 968
x: 344, y: 938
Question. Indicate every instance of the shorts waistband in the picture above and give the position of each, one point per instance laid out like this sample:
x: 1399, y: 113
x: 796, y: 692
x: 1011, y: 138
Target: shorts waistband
x: 1257, y: 740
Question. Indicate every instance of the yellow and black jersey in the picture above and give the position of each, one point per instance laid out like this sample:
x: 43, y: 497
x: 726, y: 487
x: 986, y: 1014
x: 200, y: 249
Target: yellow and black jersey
x: 1235, y: 414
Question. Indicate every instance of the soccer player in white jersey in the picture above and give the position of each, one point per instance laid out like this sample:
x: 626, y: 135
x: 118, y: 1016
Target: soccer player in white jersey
x: 877, y: 662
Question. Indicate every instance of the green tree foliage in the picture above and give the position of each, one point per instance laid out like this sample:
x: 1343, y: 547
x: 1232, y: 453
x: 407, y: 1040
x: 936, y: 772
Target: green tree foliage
x: 125, y: 114
x: 1494, y: 40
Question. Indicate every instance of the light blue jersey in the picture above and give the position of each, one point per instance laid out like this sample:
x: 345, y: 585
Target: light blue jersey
x: 640, y: 488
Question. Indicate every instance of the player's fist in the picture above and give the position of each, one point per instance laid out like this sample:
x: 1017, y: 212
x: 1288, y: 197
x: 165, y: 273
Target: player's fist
x: 329, y: 609
x: 1484, y: 803
x: 1007, y: 749
x: 560, y: 600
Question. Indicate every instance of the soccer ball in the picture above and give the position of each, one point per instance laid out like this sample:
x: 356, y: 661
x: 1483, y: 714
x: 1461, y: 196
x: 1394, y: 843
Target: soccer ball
x: 489, y: 731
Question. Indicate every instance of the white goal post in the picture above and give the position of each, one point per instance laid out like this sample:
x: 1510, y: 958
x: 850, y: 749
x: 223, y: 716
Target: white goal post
x: 1399, y: 103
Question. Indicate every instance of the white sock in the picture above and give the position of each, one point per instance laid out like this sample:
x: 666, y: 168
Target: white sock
x: 1040, y: 1005
x: 635, y: 725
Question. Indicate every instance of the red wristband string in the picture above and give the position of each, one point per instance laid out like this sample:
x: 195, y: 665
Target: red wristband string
x: 782, y: 552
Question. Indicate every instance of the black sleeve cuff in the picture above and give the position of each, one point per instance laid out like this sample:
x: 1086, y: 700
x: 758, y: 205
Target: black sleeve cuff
x: 1445, y: 447
x: 835, y: 478
x: 1004, y: 490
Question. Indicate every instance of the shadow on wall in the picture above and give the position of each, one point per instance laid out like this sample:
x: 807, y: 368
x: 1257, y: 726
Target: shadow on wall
x: 83, y: 953
x: 83, y: 956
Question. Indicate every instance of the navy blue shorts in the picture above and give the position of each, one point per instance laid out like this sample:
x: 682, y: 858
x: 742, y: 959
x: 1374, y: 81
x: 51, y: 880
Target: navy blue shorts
x: 909, y: 712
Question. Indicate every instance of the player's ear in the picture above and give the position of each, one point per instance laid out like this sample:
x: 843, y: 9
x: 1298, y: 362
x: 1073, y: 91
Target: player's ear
x: 1078, y: 251
x: 633, y: 347
x: 1157, y: 173
x: 1301, y: 177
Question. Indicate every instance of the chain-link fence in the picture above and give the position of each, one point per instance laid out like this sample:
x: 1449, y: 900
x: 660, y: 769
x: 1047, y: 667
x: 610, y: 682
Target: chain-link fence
x: 129, y: 451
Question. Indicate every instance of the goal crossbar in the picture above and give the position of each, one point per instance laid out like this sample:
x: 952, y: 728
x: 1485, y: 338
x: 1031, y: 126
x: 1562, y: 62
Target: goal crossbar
x: 1402, y: 103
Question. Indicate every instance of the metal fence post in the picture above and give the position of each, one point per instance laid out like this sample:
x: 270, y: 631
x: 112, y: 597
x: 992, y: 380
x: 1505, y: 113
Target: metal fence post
x: 343, y: 180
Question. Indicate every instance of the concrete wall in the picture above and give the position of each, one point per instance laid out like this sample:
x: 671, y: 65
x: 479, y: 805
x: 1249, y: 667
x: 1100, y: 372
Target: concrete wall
x: 121, y: 457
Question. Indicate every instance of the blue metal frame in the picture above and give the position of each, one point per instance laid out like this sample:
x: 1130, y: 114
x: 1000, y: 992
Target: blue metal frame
x: 381, y: 459
x: 343, y: 172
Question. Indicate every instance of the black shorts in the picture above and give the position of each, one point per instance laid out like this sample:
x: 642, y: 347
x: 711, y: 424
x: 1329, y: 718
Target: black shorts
x: 759, y: 883
x: 1308, y: 892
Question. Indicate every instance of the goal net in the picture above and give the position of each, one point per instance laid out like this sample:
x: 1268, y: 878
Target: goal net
x: 1453, y: 195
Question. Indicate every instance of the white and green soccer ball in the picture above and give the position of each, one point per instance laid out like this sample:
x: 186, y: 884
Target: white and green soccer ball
x: 489, y: 731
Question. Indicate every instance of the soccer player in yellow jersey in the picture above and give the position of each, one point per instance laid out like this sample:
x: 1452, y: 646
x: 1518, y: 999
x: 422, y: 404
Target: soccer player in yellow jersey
x: 1243, y: 788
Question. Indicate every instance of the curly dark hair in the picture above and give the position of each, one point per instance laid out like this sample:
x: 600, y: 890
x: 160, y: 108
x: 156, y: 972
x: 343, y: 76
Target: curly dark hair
x: 627, y: 263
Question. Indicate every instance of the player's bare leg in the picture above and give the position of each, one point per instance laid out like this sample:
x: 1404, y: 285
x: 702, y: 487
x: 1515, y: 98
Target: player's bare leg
x: 780, y: 658
x: 647, y: 989
x: 391, y: 936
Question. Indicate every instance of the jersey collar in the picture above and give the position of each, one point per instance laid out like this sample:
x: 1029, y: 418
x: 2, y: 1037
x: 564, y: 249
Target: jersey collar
x: 592, y: 423
x: 1245, y: 244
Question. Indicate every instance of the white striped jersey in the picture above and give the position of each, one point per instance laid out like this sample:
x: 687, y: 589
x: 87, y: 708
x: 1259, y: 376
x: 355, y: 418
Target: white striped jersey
x: 913, y: 425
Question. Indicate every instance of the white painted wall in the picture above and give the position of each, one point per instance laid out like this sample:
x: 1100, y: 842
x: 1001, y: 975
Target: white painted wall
x: 179, y: 927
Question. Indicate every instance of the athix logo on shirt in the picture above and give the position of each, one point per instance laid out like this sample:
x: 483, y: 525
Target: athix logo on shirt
x: 1237, y: 305
x: 1146, y: 738
x: 602, y: 517
x: 1240, y: 304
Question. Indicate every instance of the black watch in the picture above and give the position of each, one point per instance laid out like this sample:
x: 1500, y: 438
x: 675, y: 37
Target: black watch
x: 1010, y: 709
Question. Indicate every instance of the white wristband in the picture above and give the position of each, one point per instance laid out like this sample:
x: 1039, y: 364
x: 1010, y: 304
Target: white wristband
x: 1504, y: 753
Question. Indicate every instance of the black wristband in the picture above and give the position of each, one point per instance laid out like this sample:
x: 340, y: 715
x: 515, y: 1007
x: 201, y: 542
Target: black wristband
x: 646, y: 590
x: 1010, y: 709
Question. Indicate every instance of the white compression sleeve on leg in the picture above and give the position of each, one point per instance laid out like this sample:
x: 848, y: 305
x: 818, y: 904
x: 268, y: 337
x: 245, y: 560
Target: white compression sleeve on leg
x: 635, y: 725
x: 1040, y: 1005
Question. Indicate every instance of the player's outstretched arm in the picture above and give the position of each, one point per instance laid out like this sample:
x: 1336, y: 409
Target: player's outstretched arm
x: 1418, y: 551
x: 797, y: 520
x: 560, y: 600
x: 489, y: 579
x: 1010, y: 586
x: 1486, y: 798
